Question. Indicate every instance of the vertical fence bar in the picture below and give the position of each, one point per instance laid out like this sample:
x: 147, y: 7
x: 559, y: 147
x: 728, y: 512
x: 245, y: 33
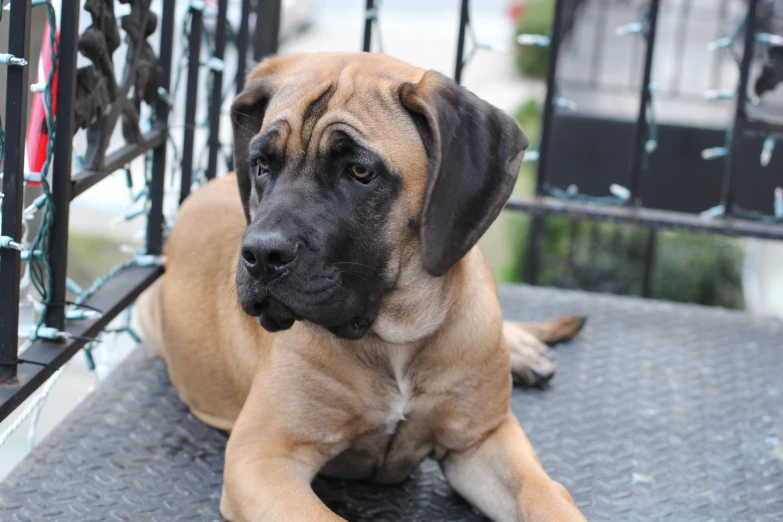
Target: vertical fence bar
x: 533, y: 254
x: 649, y: 262
x: 194, y: 64
x: 13, y: 184
x: 62, y: 186
x: 155, y: 216
x: 549, y: 103
x: 267, y: 37
x: 740, y: 117
x: 369, y: 17
x: 464, y: 20
x: 243, y: 41
x: 217, y: 91
x: 573, y: 233
x: 640, y: 133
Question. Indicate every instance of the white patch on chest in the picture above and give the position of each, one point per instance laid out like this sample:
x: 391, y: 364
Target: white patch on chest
x: 399, y: 357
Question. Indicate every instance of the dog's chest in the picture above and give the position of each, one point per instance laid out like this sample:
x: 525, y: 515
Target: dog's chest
x: 394, y: 439
x: 399, y: 402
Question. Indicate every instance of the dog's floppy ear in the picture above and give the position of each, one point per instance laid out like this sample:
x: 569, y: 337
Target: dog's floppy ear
x: 247, y: 114
x: 475, y: 151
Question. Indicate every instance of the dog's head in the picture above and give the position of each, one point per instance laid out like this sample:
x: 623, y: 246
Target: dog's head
x: 356, y: 171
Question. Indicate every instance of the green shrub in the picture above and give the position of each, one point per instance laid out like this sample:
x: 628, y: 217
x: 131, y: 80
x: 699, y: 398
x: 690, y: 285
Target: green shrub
x: 537, y: 19
x: 688, y: 268
x: 699, y: 268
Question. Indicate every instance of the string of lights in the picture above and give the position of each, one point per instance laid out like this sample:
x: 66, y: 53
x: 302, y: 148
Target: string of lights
x: 619, y: 195
x: 728, y: 44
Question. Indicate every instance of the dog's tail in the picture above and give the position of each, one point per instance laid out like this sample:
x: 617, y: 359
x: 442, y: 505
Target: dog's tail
x: 149, y: 316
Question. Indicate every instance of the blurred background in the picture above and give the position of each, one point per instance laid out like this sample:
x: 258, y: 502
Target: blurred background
x: 599, y: 73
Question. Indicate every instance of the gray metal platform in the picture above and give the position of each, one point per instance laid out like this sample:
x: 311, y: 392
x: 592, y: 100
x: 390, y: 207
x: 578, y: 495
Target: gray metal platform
x: 657, y: 412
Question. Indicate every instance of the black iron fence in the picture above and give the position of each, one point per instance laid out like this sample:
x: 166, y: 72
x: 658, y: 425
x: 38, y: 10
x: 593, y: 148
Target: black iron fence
x: 687, y: 66
x: 97, y: 99
x: 634, y: 169
x: 625, y: 205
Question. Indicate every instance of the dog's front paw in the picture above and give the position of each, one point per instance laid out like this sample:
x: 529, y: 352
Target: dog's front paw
x: 532, y: 361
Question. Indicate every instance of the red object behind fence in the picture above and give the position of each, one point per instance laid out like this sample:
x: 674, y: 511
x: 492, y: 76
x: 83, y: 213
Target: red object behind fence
x: 37, y: 132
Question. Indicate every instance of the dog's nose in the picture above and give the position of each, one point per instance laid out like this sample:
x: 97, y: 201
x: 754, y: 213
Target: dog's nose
x: 267, y: 253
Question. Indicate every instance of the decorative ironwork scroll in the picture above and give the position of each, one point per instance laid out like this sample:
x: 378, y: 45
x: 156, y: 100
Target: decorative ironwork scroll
x: 100, y: 100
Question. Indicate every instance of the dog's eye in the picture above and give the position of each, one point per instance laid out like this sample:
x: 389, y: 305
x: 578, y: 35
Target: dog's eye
x: 361, y: 173
x: 262, y: 167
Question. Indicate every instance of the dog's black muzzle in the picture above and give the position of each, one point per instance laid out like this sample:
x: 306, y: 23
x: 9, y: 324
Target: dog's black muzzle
x: 281, y: 282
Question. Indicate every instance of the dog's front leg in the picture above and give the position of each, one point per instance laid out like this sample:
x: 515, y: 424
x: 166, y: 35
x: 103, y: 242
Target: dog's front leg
x: 267, y: 474
x: 271, y: 489
x: 504, y: 478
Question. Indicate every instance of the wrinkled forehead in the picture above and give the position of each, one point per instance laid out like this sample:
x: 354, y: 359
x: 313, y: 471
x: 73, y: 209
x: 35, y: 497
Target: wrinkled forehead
x: 316, y: 98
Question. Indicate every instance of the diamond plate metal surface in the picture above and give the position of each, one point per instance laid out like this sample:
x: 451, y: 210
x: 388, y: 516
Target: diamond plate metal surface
x: 657, y: 412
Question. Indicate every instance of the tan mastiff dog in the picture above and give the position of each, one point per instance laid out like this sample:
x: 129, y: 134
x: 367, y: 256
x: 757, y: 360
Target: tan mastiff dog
x: 369, y: 335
